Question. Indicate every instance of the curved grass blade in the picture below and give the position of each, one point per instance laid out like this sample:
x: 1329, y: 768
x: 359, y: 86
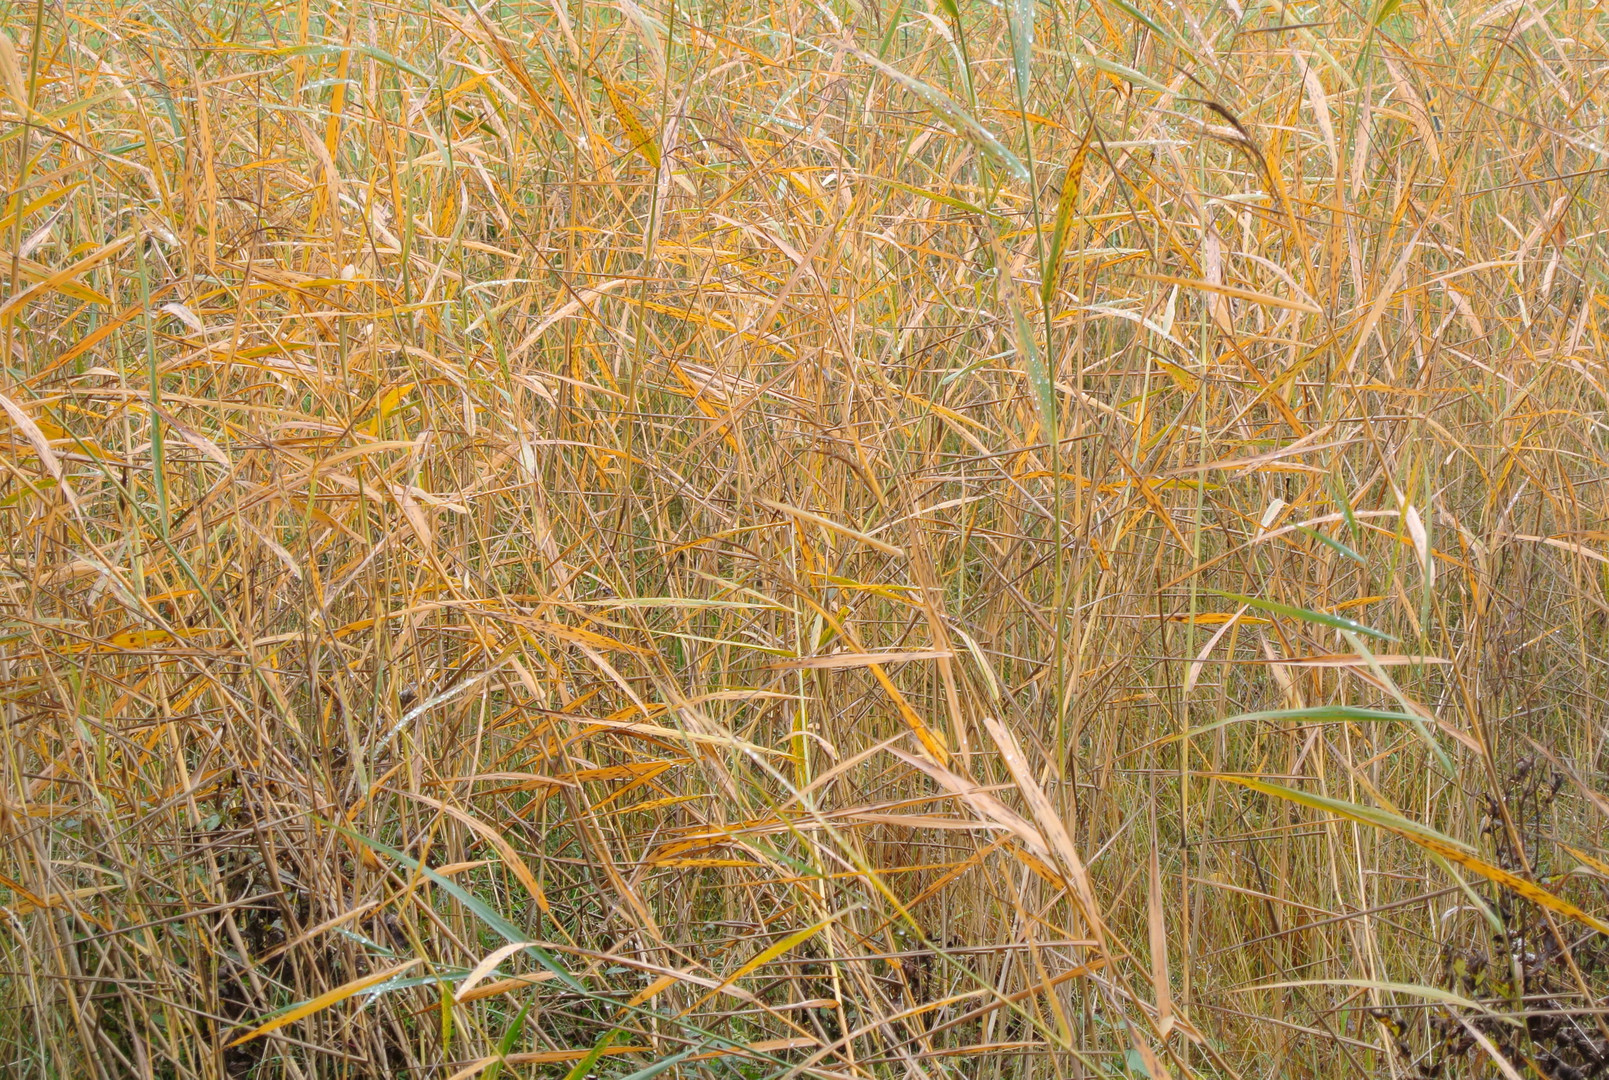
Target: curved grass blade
x: 1429, y: 993
x: 1339, y: 622
x: 1066, y: 207
x: 362, y: 50
x: 324, y: 1001
x: 479, y: 907
x: 660, y: 1066
x: 1437, y: 843
x: 1314, y: 714
x: 1127, y: 74
x: 1020, y: 14
x: 1380, y: 674
x: 945, y: 106
x: 1334, y: 544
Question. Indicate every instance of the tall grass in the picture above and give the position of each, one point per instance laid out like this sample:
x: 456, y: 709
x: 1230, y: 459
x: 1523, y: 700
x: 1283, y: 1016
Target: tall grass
x: 805, y: 539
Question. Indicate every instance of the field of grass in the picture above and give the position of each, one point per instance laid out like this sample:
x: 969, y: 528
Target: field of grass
x: 900, y: 538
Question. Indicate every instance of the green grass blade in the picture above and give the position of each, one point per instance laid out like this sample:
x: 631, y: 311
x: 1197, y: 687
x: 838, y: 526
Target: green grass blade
x: 506, y: 1043
x: 1338, y: 622
x: 1332, y: 543
x: 483, y: 911
x: 1039, y: 380
x: 1315, y: 714
x: 584, y: 1066
x: 660, y: 1066
x: 1437, y: 843
x: 964, y: 122
x: 1020, y: 15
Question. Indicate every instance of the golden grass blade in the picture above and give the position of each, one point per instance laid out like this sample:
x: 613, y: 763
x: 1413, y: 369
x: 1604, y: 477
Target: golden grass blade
x: 511, y: 858
x: 64, y: 277
x: 326, y: 1000
x: 985, y: 805
x: 1453, y: 851
x: 638, y: 137
x: 36, y: 437
x: 1220, y: 289
x: 767, y: 954
x: 503, y: 986
x: 833, y: 526
x: 488, y: 965
x: 855, y: 660
x: 1485, y: 1043
x: 1428, y: 993
x: 1050, y: 823
x: 1066, y: 209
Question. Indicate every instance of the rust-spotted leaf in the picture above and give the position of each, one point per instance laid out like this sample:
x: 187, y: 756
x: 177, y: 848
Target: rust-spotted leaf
x: 642, y: 140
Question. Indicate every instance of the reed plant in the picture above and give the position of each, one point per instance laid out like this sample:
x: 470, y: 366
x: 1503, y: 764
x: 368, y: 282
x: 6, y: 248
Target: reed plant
x: 910, y: 538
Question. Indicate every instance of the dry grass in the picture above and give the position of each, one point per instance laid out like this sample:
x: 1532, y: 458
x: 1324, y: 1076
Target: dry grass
x: 736, y: 540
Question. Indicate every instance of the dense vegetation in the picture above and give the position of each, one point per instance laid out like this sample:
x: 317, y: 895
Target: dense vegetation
x: 885, y: 539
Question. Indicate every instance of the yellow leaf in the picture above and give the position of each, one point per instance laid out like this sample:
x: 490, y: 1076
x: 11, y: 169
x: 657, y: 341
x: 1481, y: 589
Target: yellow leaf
x: 388, y: 405
x: 1066, y: 208
x: 503, y: 986
x: 34, y: 435
x: 511, y: 858
x: 1596, y: 864
x: 62, y: 280
x: 488, y: 965
x: 857, y: 659
x: 1182, y: 378
x: 1235, y: 292
x: 630, y: 771
x: 641, y: 140
x: 325, y: 1000
x: 31, y: 904
x: 39, y: 204
x: 1435, y: 842
x: 701, y: 398
x: 768, y: 954
x: 11, y: 73
x: 833, y: 526
x: 140, y: 639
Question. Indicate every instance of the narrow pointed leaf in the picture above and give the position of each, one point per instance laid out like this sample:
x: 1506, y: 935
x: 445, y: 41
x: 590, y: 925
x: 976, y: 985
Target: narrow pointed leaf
x: 1428, y: 993
x: 323, y: 1001
x: 1315, y: 714
x: 1039, y: 380
x: 957, y: 117
x: 1021, y: 15
x: 1066, y: 208
x: 1339, y: 622
x: 1455, y: 851
x: 1332, y: 543
x: 479, y: 907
